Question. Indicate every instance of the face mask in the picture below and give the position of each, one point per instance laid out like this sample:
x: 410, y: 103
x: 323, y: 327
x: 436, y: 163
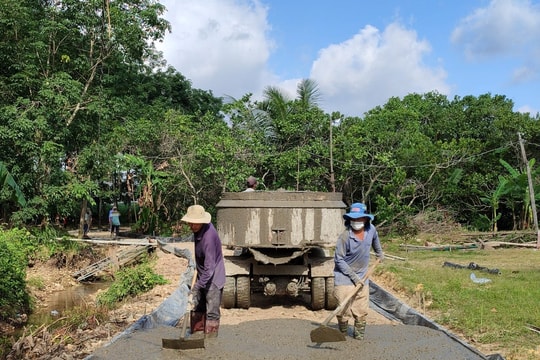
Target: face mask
x: 357, y: 225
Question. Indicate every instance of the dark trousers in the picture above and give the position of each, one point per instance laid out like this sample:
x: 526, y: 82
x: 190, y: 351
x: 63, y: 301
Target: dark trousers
x: 115, y: 229
x: 210, y: 302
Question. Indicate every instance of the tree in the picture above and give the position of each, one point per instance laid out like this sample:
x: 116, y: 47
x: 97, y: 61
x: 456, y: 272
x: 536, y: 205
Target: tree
x: 301, y: 159
x: 60, y: 58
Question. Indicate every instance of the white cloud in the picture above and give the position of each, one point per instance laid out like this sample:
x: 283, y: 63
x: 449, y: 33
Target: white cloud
x: 508, y: 28
x: 528, y: 109
x: 224, y: 46
x: 220, y: 45
x: 366, y: 70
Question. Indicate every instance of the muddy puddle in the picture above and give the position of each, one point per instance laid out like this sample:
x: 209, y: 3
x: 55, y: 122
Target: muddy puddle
x: 64, y: 300
x: 290, y: 339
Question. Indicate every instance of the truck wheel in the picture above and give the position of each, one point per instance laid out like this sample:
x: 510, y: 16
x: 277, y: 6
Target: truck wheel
x: 243, y: 292
x: 229, y: 293
x: 317, y: 293
x: 331, y: 301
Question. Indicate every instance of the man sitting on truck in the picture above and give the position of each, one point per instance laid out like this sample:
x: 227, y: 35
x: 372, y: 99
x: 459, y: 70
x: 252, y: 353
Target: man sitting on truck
x: 251, y: 184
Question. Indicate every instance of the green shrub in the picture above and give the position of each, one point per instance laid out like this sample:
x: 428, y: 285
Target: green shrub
x: 130, y: 282
x: 14, y: 299
x: 48, y: 242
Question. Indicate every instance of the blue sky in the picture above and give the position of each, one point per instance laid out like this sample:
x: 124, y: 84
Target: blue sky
x: 360, y: 53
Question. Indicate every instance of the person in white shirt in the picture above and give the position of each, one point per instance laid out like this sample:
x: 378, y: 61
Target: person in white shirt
x: 251, y: 184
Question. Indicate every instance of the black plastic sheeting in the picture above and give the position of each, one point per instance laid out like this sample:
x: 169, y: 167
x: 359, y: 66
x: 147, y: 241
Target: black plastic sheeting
x: 167, y: 313
x: 392, y: 308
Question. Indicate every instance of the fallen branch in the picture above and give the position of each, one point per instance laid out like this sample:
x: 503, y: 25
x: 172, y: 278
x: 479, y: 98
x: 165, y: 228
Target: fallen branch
x: 536, y: 329
x: 494, y: 244
x: 440, y: 247
x: 391, y: 257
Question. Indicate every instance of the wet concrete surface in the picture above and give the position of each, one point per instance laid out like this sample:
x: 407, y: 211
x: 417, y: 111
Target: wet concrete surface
x: 289, y: 339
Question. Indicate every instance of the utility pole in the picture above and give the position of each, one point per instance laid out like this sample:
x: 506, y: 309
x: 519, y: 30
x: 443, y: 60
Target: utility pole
x: 332, y: 178
x: 531, y: 191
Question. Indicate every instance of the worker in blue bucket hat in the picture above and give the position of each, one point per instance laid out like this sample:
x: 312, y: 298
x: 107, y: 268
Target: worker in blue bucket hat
x: 351, y: 258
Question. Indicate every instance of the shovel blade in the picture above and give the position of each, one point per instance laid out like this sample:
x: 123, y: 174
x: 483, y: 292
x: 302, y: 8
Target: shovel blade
x: 324, y: 334
x: 182, y: 344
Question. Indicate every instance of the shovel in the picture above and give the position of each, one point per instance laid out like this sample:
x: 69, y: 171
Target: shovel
x: 185, y: 343
x: 324, y: 333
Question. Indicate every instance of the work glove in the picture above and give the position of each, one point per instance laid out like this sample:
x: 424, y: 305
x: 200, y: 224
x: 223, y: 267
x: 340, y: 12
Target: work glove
x: 356, y: 279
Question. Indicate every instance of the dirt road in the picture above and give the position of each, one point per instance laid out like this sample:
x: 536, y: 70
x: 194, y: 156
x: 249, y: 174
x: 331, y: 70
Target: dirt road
x: 272, y: 328
x: 279, y: 328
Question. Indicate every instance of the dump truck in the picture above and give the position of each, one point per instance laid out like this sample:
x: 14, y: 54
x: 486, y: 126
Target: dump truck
x: 283, y: 245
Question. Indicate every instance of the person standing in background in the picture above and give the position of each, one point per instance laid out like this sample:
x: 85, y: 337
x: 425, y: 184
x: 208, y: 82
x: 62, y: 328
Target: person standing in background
x: 114, y: 221
x: 87, y: 222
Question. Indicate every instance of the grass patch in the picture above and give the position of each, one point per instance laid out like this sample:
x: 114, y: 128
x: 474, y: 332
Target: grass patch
x: 36, y: 282
x: 83, y: 317
x: 494, y: 313
x: 130, y: 282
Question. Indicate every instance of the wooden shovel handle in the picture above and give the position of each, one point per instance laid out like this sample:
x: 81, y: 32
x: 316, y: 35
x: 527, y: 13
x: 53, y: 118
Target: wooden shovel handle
x: 194, y: 280
x: 346, y: 301
x: 187, y: 314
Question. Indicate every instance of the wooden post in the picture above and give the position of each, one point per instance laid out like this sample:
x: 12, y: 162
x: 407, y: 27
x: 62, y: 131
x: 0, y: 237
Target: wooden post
x: 531, y: 191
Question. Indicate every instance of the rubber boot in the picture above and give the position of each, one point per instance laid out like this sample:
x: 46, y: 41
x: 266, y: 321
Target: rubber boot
x: 197, y: 321
x: 359, y: 329
x: 212, y: 328
x: 343, y: 327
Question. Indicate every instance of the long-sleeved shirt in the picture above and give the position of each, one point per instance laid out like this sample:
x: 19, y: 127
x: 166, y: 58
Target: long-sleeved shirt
x: 209, y: 258
x: 351, y: 255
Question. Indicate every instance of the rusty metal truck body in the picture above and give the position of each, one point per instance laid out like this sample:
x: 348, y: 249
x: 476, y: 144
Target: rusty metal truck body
x: 283, y: 243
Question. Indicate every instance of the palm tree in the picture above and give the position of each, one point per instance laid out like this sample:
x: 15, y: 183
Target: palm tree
x: 300, y: 128
x: 308, y: 94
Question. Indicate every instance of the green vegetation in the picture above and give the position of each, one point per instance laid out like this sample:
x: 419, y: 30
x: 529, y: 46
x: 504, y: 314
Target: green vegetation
x: 13, y: 262
x: 17, y: 248
x: 115, y: 125
x: 129, y: 282
x: 80, y: 317
x: 493, y: 314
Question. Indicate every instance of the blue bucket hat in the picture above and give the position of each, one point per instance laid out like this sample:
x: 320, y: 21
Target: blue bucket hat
x: 357, y: 210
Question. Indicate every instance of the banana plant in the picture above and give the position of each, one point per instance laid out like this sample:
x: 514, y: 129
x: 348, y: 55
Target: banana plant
x: 502, y: 189
x: 7, y: 181
x: 517, y: 188
x: 150, y: 192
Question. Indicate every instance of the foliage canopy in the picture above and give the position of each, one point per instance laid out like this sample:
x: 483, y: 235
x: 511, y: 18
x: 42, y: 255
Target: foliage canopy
x: 90, y: 115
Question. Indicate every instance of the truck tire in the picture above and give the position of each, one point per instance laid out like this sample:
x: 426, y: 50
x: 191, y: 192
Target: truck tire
x: 243, y: 292
x: 229, y: 293
x: 318, y: 293
x: 331, y: 301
